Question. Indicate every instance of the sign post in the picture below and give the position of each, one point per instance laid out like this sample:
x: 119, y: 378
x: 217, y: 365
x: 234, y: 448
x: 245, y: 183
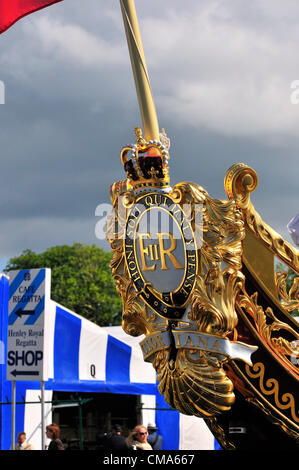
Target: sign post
x: 29, y: 294
x: 43, y: 413
x: 13, y: 415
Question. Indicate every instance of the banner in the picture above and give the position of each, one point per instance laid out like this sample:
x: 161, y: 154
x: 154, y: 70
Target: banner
x: 222, y: 347
x: 13, y: 10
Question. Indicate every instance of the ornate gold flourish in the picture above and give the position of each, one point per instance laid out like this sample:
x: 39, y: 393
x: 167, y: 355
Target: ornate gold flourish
x: 221, y: 225
x: 240, y: 181
x: 279, y: 345
x: 133, y: 318
x: 194, y: 387
x: 290, y: 299
x: 271, y: 387
x: 213, y: 301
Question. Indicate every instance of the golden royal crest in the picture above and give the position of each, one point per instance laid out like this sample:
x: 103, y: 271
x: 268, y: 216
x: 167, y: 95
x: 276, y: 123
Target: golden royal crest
x: 176, y: 264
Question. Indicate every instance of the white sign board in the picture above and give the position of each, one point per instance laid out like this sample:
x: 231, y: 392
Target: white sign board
x: 29, y: 296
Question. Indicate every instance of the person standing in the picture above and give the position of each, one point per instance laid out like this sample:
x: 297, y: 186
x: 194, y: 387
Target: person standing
x: 53, y: 433
x: 154, y: 439
x: 113, y: 440
x: 22, y: 443
x: 138, y: 438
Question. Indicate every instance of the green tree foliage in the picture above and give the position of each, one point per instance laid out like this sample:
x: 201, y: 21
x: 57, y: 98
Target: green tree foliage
x: 81, y: 280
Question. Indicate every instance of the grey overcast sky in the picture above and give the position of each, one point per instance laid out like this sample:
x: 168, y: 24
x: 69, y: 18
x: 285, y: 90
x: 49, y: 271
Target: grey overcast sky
x: 221, y: 74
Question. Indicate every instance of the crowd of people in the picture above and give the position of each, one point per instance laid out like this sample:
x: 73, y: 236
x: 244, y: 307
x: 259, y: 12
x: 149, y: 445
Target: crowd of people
x: 140, y: 438
x: 52, y: 433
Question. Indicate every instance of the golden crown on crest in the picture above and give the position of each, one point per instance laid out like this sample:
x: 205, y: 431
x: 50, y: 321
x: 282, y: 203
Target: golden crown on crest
x: 146, y: 163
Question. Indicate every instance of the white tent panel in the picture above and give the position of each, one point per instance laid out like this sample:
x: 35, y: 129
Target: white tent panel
x: 92, y: 352
x: 194, y: 434
x: 49, y: 337
x: 148, y: 414
x: 32, y: 418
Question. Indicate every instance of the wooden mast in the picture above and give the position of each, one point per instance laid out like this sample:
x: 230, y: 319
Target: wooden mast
x: 143, y: 88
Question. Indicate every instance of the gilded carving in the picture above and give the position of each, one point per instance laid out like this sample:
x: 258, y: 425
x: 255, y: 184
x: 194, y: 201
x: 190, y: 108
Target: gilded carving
x: 191, y: 377
x: 240, y: 182
x: 290, y: 299
x: 267, y: 325
x: 285, y: 401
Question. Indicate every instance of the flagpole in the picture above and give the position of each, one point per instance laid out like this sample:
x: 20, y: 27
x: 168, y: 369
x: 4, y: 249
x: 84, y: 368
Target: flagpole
x: 143, y: 88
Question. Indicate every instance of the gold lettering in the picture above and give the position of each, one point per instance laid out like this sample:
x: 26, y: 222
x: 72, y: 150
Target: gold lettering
x: 189, y: 340
x: 149, y: 201
x: 130, y: 254
x: 145, y: 348
x: 187, y: 285
x: 151, y: 252
x: 132, y: 223
x: 168, y: 252
x: 177, y: 337
x: 151, y: 344
x: 201, y: 340
x: 156, y: 252
x: 145, y: 251
x: 190, y: 276
x: 135, y: 213
x: 130, y: 233
x: 191, y: 265
x: 132, y: 265
x: 185, y: 292
x: 178, y: 210
x: 154, y: 343
x: 216, y: 345
x: 160, y: 341
x: 136, y: 273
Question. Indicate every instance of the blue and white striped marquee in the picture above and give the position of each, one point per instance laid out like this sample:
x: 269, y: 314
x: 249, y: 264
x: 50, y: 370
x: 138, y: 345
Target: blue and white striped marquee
x: 82, y: 357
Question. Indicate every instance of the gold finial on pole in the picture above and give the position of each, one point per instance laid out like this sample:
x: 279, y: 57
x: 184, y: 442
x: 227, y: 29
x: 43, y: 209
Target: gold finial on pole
x: 143, y: 88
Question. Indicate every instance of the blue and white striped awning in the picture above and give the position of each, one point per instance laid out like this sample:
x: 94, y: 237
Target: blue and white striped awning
x: 87, y: 357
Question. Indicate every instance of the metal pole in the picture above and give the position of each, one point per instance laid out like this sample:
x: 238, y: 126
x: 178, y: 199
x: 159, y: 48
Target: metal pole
x: 43, y: 414
x: 143, y: 88
x: 81, y: 439
x: 13, y: 415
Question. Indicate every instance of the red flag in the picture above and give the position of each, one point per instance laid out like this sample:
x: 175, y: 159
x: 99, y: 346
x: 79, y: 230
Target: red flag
x: 13, y: 10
